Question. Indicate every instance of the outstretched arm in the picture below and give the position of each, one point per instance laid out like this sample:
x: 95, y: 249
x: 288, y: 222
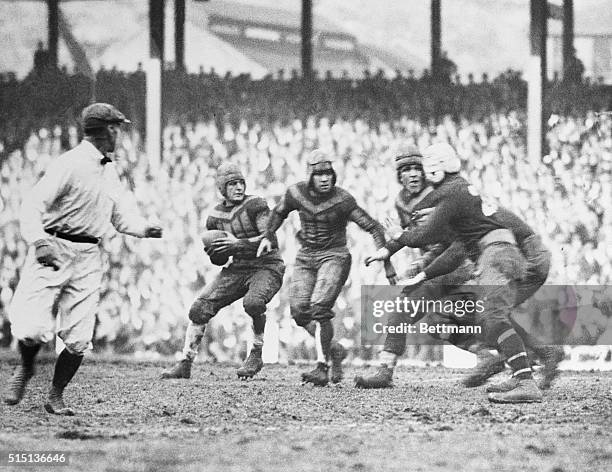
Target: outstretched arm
x: 279, y: 214
x: 446, y: 262
x: 126, y: 217
x: 435, y: 228
x: 369, y: 224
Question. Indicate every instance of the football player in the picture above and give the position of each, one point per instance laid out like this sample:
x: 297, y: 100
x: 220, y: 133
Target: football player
x: 242, y: 219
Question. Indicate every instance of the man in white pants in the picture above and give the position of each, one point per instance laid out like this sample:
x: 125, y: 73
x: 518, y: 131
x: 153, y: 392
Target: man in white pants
x: 64, y: 219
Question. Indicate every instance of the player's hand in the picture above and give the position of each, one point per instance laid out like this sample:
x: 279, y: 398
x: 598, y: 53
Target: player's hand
x: 46, y: 254
x: 416, y: 280
x: 414, y: 268
x: 380, y: 255
x: 265, y: 246
x: 393, y: 229
x: 393, y: 280
x: 225, y: 245
x: 413, y: 283
x: 153, y: 232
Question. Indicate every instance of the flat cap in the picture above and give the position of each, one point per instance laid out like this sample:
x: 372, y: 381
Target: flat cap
x: 100, y: 114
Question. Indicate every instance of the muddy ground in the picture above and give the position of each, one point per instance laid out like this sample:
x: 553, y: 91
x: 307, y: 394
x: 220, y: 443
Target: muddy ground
x: 128, y: 420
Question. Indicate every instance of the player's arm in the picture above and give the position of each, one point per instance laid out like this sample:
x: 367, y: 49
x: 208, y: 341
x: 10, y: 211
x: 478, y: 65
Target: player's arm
x: 435, y: 228
x: 279, y: 214
x: 446, y: 261
x: 126, y: 217
x: 258, y: 213
x: 393, y: 245
x: 427, y: 256
x: 369, y: 224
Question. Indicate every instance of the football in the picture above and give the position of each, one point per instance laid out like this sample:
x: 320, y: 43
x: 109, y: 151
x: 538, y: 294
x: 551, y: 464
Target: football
x: 211, y: 235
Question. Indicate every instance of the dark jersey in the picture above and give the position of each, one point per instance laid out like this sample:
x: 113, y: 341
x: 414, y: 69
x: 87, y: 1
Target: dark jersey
x: 246, y: 221
x: 519, y: 228
x: 456, y: 253
x: 323, y: 218
x: 405, y: 205
x: 458, y: 211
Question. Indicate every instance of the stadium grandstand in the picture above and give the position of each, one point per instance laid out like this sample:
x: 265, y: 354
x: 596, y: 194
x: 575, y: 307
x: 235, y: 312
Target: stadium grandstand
x: 267, y: 123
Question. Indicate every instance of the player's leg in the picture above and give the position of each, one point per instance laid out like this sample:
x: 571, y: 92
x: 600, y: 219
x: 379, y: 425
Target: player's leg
x: 78, y: 304
x: 333, y: 271
x: 395, y: 343
x: 224, y: 290
x: 262, y: 284
x: 301, y: 286
x: 31, y: 316
x: 499, y: 266
x: 300, y: 294
x: 539, y: 260
x: 393, y: 348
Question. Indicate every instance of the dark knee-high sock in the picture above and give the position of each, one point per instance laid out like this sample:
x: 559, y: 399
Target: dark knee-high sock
x: 327, y: 333
x: 259, y: 325
x: 66, y: 366
x: 512, y: 348
x: 529, y: 339
x: 28, y: 354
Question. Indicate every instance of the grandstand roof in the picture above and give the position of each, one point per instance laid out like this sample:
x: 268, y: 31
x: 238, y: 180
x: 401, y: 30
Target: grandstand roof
x: 249, y: 13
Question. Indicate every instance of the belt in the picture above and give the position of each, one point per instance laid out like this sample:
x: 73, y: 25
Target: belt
x: 496, y: 236
x: 75, y: 238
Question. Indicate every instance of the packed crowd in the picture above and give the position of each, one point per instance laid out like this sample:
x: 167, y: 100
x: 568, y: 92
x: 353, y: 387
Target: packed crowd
x: 150, y: 284
x: 46, y: 98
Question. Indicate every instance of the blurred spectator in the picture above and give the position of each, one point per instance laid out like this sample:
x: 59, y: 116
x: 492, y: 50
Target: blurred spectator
x: 41, y: 59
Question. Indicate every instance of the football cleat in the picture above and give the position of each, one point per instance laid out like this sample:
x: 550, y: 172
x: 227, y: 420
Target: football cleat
x: 525, y: 391
x: 505, y: 386
x: 17, y: 385
x: 181, y: 370
x: 252, y: 364
x: 318, y: 376
x: 338, y: 354
x: 550, y: 356
x: 55, y: 403
x: 382, y: 378
x: 488, y: 365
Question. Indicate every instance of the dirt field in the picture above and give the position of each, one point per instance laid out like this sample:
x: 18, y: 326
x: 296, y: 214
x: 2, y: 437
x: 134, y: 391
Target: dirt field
x: 128, y: 420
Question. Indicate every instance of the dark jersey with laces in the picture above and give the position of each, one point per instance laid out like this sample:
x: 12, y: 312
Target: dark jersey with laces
x: 459, y: 210
x: 323, y: 218
x: 405, y: 204
x: 246, y: 221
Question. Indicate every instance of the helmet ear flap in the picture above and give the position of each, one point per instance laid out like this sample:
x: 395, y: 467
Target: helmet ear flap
x: 440, y: 158
x: 319, y: 161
